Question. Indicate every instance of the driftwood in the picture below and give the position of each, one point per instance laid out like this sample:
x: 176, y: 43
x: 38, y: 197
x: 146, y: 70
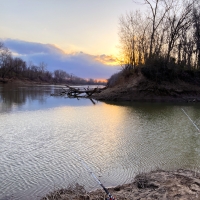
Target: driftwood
x: 75, y: 92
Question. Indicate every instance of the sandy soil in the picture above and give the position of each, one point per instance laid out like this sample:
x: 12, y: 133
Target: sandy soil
x: 162, y: 185
x: 138, y: 88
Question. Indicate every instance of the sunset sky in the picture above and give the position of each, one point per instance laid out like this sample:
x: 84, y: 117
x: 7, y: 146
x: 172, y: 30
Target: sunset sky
x: 88, y: 28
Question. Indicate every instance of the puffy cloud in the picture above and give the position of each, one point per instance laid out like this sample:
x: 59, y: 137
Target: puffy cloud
x: 28, y: 48
x: 107, y: 59
x: 79, y: 64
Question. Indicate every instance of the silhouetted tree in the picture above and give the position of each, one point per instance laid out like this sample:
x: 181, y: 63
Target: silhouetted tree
x: 6, y: 61
x: 13, y: 67
x: 164, y: 40
x: 196, y: 24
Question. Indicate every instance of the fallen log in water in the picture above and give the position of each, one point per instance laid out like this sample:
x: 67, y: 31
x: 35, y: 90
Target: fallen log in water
x: 75, y: 92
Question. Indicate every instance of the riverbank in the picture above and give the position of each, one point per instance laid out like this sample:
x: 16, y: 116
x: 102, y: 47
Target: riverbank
x: 24, y: 81
x: 138, y: 88
x: 162, y: 185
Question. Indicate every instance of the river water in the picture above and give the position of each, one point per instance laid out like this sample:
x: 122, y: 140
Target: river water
x: 39, y: 134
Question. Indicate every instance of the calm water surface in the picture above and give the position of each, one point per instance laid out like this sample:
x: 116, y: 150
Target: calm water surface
x: 39, y: 134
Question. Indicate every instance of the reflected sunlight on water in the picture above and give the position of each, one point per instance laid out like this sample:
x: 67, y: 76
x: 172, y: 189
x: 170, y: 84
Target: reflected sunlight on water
x: 117, y: 141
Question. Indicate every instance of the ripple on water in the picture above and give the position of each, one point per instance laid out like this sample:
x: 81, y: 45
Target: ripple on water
x: 117, y: 142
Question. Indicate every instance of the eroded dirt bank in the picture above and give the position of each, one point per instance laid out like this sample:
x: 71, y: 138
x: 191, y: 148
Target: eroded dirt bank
x: 138, y: 88
x: 161, y: 185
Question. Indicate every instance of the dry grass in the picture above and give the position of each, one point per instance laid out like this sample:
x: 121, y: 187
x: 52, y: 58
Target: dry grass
x: 76, y: 192
x: 168, y: 185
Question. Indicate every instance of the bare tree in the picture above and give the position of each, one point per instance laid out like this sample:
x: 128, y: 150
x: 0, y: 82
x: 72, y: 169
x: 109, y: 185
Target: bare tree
x: 133, y: 38
x: 6, y: 60
x: 60, y: 76
x: 159, y: 9
x: 196, y: 24
x: 169, y: 34
x: 178, y: 22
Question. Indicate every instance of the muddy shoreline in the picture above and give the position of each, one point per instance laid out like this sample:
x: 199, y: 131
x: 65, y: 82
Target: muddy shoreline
x: 138, y: 88
x: 163, y: 185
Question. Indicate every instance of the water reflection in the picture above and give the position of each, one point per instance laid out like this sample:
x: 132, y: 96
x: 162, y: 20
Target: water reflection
x: 117, y: 140
x: 14, y: 96
x: 21, y: 97
x: 159, y: 123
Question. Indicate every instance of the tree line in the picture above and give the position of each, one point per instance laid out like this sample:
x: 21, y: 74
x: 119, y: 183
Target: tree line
x: 165, y: 41
x: 16, y: 68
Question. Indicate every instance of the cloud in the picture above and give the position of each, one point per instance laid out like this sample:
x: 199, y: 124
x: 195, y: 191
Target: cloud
x: 107, y: 59
x: 78, y: 64
x: 23, y: 47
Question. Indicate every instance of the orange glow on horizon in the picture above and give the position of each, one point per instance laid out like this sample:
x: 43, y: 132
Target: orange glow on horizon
x: 99, y: 80
x: 102, y: 80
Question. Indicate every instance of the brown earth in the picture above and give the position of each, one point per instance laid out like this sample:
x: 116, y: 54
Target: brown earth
x: 161, y: 185
x: 139, y: 88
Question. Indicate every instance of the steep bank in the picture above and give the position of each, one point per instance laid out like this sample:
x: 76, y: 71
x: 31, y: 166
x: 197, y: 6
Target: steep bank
x: 162, y: 185
x: 139, y: 88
